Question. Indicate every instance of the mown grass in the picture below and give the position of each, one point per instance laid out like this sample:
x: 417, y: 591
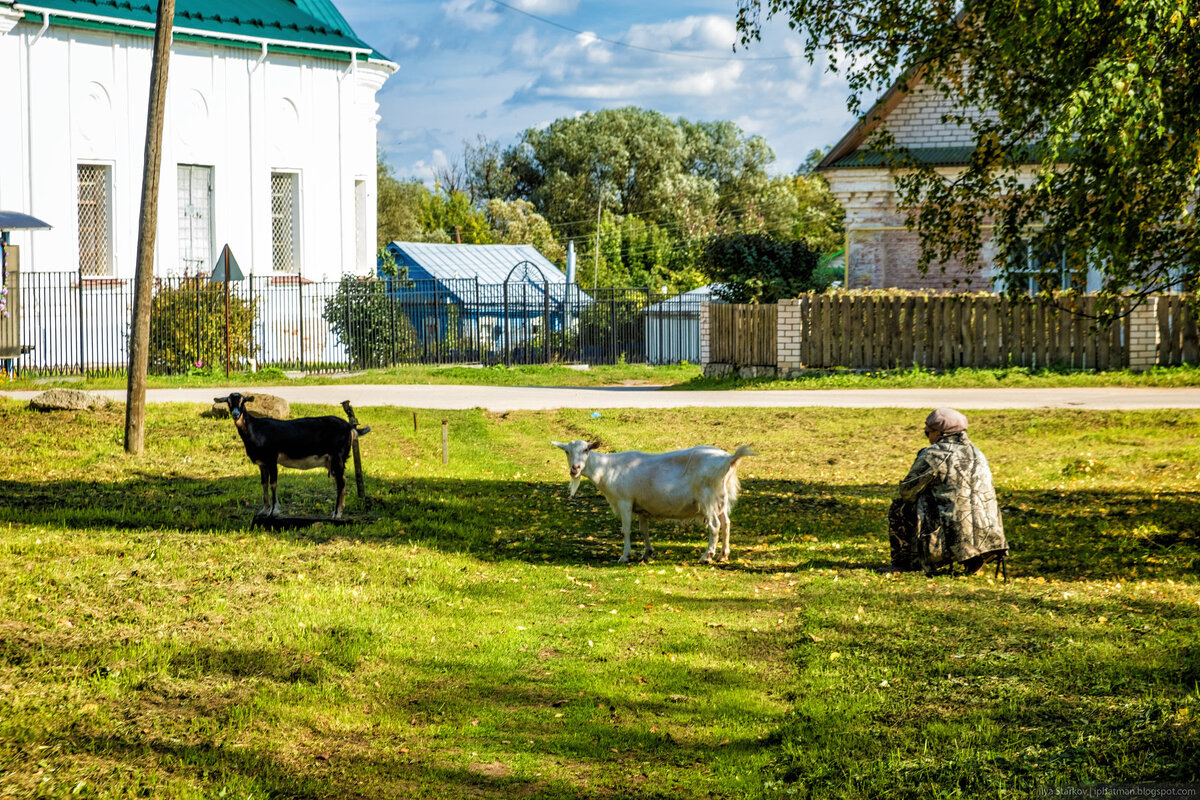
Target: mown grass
x: 966, y: 378
x: 520, y: 375
x: 672, y: 376
x: 472, y: 636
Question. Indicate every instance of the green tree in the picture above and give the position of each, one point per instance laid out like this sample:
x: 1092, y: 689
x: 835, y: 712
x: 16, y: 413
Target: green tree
x: 755, y: 268
x: 517, y: 222
x: 1082, y: 113
x: 398, y: 207
x: 635, y: 161
x: 449, y: 217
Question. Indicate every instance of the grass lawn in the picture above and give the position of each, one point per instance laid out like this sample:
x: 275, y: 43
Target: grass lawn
x: 473, y: 636
x: 674, y: 376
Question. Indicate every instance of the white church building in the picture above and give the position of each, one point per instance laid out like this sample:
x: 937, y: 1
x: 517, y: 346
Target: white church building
x: 269, y: 143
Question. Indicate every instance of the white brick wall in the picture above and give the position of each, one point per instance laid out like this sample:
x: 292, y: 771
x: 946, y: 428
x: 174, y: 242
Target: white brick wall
x: 788, y: 334
x: 917, y: 121
x: 705, y: 327
x: 1143, y: 335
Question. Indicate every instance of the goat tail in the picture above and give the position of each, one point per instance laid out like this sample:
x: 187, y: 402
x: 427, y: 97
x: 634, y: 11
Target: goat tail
x: 732, y: 484
x: 363, y: 431
x: 740, y: 453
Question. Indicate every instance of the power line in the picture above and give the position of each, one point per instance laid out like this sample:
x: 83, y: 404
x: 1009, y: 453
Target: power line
x: 638, y: 47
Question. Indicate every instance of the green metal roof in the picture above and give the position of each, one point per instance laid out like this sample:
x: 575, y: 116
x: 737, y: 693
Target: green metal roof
x: 926, y: 156
x: 929, y: 156
x: 295, y: 22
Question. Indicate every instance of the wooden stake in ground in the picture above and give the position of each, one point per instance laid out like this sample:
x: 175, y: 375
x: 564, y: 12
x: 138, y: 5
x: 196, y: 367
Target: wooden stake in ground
x: 358, y: 473
x: 139, y: 344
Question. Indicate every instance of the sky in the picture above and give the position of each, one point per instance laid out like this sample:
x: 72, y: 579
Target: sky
x: 471, y: 67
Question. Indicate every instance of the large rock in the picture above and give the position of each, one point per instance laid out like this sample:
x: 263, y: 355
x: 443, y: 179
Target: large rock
x: 263, y: 405
x: 67, y: 400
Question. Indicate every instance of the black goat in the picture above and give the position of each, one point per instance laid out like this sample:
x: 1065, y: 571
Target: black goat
x: 303, y: 443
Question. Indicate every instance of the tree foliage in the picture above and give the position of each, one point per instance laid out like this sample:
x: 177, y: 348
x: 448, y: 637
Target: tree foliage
x: 1083, y: 115
x: 634, y: 161
x: 755, y: 268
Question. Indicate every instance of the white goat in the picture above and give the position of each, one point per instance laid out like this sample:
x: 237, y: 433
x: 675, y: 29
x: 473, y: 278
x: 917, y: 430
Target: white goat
x: 699, y: 483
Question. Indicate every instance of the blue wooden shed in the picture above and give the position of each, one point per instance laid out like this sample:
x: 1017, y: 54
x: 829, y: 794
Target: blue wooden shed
x: 497, y: 294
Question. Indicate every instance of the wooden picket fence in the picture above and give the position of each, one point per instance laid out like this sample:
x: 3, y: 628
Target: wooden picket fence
x: 947, y: 331
x: 1178, y: 337
x: 744, y: 335
x: 869, y: 331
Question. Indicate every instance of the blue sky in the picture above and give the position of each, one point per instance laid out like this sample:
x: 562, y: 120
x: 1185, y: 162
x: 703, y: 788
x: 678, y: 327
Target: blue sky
x: 471, y: 67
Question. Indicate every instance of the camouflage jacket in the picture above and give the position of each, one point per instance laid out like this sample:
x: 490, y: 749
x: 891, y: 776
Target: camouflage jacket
x: 951, y: 484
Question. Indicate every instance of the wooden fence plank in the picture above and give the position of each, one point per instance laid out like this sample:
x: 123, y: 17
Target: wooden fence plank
x: 1189, y: 339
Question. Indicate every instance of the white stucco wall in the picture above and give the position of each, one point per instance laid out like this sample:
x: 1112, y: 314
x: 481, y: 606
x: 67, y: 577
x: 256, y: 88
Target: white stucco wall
x: 79, y: 96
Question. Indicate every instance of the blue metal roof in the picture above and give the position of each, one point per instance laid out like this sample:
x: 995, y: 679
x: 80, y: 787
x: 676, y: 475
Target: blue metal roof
x: 489, y: 263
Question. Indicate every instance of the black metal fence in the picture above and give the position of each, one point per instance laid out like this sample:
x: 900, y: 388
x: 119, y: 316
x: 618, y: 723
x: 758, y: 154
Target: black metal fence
x: 69, y: 325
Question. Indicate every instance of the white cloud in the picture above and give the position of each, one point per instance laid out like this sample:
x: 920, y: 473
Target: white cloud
x: 477, y: 15
x: 546, y: 6
x: 712, y: 35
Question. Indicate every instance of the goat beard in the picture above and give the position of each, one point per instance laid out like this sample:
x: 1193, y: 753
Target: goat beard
x: 575, y: 484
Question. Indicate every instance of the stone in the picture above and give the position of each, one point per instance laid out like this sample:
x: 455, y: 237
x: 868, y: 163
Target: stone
x: 717, y: 370
x: 67, y: 400
x: 263, y: 405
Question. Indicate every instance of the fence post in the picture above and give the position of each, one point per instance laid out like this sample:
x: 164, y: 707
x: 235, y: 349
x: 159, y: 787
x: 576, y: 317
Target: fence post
x: 705, y: 331
x: 300, y: 304
x: 787, y: 337
x: 1144, y: 334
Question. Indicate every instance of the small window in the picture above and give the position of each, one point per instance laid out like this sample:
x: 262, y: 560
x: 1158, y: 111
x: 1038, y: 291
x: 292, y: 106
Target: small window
x: 363, y: 250
x: 285, y: 222
x: 1043, y: 269
x: 95, y: 220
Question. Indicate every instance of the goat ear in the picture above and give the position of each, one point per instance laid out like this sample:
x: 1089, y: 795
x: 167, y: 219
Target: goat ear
x: 559, y: 445
x: 224, y: 399
x: 249, y: 399
x: 594, y: 445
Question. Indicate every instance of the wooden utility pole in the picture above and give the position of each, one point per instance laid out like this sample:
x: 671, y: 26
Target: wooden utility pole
x: 139, y: 341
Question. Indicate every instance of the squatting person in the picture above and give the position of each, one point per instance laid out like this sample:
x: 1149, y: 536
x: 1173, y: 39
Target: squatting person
x: 947, y: 511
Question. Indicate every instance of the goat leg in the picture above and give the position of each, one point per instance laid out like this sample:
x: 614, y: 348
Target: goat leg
x: 725, y: 532
x: 264, y: 475
x: 649, y: 551
x: 714, y: 529
x: 272, y: 475
x: 625, y: 509
x: 338, y: 468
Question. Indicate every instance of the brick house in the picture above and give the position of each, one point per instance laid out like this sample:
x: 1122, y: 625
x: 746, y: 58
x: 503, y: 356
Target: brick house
x: 880, y: 251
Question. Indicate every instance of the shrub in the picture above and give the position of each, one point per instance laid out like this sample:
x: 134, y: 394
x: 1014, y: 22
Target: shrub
x: 370, y: 323
x: 187, y: 327
x: 755, y: 268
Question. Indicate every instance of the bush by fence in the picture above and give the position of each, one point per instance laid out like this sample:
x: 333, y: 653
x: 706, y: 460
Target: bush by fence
x: 187, y: 327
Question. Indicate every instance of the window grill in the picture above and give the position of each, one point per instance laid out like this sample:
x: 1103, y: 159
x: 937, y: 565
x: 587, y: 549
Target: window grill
x: 95, y: 246
x: 284, y: 227
x: 195, y: 219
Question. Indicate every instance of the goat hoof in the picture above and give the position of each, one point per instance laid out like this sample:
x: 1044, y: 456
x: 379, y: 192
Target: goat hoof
x: 707, y: 559
x: 623, y: 560
x: 724, y: 558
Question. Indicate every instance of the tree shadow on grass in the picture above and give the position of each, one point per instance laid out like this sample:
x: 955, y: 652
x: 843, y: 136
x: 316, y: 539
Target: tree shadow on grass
x: 778, y: 526
x: 175, y: 721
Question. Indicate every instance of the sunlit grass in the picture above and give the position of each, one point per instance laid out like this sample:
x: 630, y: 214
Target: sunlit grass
x: 472, y: 635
